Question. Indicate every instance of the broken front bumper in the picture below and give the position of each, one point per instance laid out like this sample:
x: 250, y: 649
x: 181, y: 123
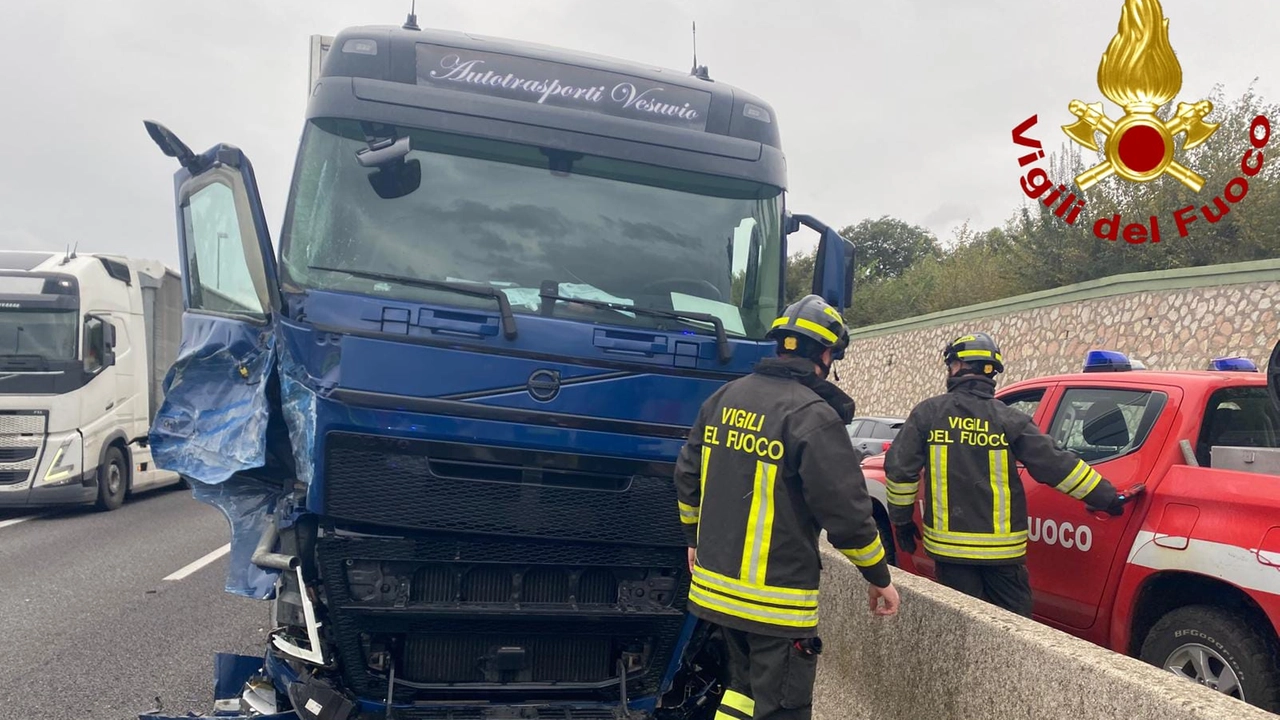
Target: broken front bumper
x: 242, y: 692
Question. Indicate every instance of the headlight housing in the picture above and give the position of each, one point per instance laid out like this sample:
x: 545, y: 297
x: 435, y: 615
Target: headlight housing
x: 65, y: 465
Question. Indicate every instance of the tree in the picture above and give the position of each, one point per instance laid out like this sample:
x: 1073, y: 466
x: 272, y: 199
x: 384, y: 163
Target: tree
x: 885, y: 248
x: 902, y: 272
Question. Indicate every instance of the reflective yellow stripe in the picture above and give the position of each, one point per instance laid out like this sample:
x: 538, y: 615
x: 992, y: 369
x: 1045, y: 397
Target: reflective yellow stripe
x: 906, y: 488
x: 902, y: 493
x: 974, y: 353
x: 807, y: 325
x: 938, y: 477
x: 1004, y: 552
x: 959, y: 538
x: 833, y: 313
x: 865, y: 556
x: 756, y: 613
x: 775, y: 594
x: 1073, y: 478
x: 688, y: 513
x: 998, y: 463
x: 738, y: 701
x: 755, y: 550
x: 1090, y: 482
x: 702, y: 489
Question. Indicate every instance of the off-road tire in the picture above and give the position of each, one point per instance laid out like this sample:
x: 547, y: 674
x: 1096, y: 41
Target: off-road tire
x: 1250, y: 652
x: 113, y: 480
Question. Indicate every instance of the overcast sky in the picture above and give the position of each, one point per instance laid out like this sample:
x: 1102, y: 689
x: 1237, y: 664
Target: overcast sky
x: 899, y: 107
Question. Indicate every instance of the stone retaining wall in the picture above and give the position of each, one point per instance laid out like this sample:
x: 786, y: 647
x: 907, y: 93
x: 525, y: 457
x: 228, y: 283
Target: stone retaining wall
x: 1178, y: 319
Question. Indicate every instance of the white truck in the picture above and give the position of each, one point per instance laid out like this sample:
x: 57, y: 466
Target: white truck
x: 85, y: 342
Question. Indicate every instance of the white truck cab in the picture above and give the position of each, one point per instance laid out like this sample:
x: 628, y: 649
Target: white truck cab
x: 85, y: 342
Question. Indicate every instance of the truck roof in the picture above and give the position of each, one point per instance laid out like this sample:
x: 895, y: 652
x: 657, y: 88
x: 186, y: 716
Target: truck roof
x: 44, y: 261
x: 731, y: 111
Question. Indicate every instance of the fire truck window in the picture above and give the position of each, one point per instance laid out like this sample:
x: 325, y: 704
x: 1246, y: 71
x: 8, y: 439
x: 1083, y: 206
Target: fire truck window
x: 1238, y: 417
x: 1101, y: 424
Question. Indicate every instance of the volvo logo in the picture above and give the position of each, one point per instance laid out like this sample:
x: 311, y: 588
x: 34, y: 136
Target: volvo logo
x: 544, y: 385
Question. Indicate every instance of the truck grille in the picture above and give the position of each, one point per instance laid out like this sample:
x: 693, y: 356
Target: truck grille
x: 12, y: 423
x: 21, y: 435
x: 500, y: 491
x: 454, y: 613
x: 525, y: 712
x: 503, y: 657
x: 17, y: 454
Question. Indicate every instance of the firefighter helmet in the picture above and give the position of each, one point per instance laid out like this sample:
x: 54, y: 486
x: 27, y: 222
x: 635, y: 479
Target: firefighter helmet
x: 812, y: 318
x: 976, y: 349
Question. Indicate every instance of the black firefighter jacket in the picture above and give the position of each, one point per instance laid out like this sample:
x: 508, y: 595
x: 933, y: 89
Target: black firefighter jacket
x: 975, y: 509
x: 767, y: 466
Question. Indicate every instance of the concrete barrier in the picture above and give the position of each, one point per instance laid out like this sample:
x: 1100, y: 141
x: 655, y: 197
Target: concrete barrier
x: 946, y: 656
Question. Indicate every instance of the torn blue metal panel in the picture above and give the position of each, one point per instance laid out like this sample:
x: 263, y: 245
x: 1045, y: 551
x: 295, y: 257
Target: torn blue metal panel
x: 212, y: 426
x: 247, y: 504
x: 298, y: 403
x: 213, y: 421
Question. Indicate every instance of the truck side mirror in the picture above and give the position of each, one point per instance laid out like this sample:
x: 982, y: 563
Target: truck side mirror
x: 109, y: 343
x: 834, y: 264
x: 99, y: 344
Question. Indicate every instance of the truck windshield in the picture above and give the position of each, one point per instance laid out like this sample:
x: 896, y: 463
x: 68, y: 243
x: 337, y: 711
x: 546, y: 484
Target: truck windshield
x: 496, y: 213
x: 50, y: 334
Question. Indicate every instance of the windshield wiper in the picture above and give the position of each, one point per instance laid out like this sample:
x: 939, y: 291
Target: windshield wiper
x: 723, y: 349
x: 504, y: 305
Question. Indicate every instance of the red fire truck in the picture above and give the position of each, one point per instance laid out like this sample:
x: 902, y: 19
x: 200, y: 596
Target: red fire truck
x: 1188, y: 578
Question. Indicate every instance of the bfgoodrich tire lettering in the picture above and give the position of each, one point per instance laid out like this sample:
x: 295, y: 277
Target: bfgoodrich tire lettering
x: 1188, y: 638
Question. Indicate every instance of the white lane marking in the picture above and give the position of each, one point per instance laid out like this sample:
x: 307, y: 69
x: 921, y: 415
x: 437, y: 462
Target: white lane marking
x: 178, y: 575
x: 15, y: 521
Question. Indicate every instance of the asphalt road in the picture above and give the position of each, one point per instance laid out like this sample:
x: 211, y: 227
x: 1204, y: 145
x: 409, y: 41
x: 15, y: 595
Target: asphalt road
x: 101, y: 613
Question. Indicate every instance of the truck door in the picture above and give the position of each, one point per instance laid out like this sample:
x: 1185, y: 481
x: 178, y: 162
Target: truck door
x: 1071, y: 551
x: 212, y: 422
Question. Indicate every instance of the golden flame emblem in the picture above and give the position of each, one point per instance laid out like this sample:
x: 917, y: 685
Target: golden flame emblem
x: 1139, y: 72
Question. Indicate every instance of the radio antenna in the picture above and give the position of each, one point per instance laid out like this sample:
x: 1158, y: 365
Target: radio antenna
x: 412, y: 22
x: 698, y: 71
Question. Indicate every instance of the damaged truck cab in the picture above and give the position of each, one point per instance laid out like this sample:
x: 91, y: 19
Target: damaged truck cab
x: 442, y: 419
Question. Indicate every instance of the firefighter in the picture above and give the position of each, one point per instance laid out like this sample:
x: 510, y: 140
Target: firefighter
x: 767, y: 465
x: 975, y: 509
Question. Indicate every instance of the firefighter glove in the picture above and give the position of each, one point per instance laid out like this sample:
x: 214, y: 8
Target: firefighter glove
x: 906, y: 534
x: 1114, y: 508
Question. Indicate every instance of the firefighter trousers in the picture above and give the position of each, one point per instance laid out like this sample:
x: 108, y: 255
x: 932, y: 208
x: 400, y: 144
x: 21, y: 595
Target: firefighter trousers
x: 770, y: 678
x: 1006, y: 586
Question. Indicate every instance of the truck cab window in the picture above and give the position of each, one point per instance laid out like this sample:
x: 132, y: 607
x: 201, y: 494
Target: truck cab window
x: 1101, y: 424
x: 1238, y: 417
x: 218, y: 270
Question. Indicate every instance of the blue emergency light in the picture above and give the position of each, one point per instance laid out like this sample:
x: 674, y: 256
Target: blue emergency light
x: 1106, y: 361
x: 1232, y: 364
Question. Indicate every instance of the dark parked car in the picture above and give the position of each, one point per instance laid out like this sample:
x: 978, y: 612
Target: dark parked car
x: 872, y: 435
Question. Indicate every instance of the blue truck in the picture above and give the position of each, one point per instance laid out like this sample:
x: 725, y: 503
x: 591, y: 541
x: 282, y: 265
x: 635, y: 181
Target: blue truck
x: 441, y: 418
